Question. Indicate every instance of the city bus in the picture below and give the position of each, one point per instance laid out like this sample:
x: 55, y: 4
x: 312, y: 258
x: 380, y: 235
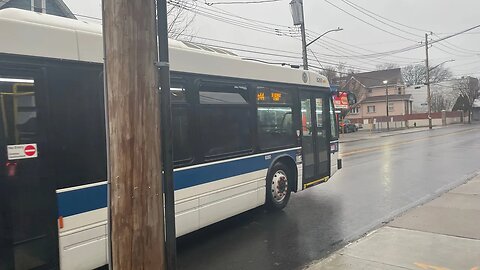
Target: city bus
x: 246, y: 134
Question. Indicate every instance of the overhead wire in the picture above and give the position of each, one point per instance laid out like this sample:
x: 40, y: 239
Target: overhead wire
x: 366, y: 22
x: 457, y: 48
x: 379, y: 20
x: 241, y: 2
x: 244, y: 24
x: 385, y: 18
x: 296, y: 29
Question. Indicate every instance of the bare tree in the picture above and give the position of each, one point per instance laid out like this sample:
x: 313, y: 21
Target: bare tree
x: 333, y: 73
x: 180, y: 18
x: 330, y: 72
x: 417, y: 74
x: 386, y: 66
x: 467, y: 89
x: 439, y: 102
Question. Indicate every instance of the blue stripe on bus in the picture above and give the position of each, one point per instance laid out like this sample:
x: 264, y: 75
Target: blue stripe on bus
x: 92, y: 198
x: 211, y: 173
x: 82, y: 200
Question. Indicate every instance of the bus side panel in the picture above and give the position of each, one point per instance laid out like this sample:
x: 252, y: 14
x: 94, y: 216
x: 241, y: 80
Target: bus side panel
x: 299, y: 177
x: 83, y: 226
x: 213, y: 192
x: 333, y: 163
x: 334, y: 156
x: 86, y: 249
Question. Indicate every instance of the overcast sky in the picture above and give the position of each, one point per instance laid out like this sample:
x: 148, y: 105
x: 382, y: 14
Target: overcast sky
x: 359, y: 38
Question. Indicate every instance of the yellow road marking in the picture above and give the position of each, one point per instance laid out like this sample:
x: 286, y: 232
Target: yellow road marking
x: 429, y: 267
x: 433, y: 267
x: 375, y: 148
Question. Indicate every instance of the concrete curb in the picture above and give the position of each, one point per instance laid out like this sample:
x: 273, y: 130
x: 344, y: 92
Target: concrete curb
x: 380, y: 135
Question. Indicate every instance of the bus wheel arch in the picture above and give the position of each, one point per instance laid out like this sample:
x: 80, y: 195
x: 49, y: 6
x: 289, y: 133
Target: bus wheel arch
x: 290, y: 163
x: 280, y: 182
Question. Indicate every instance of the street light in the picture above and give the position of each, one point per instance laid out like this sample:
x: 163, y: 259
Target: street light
x: 386, y: 93
x: 332, y: 30
x: 296, y: 7
x: 427, y: 82
x: 451, y: 60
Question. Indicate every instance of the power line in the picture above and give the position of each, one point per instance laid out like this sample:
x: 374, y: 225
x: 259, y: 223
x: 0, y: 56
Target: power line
x: 271, y: 54
x: 455, y: 34
x: 457, y: 48
x: 375, y: 18
x: 387, y: 19
x: 336, y: 46
x: 296, y: 34
x: 247, y: 25
x: 450, y: 51
x: 290, y: 53
x: 241, y: 2
x: 372, y: 25
x: 220, y: 10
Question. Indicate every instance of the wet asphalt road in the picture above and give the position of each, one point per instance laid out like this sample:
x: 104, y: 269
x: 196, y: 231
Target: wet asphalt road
x: 380, y: 179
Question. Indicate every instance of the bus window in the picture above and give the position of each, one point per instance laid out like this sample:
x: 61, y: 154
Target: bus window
x: 274, y: 118
x: 18, y: 110
x: 333, y: 122
x: 182, y: 150
x: 76, y: 126
x: 225, y: 119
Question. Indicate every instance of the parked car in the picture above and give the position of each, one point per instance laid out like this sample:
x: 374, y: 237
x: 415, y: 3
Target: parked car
x: 347, y: 126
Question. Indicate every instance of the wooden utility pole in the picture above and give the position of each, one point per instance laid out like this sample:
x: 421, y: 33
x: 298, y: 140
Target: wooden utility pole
x: 133, y: 121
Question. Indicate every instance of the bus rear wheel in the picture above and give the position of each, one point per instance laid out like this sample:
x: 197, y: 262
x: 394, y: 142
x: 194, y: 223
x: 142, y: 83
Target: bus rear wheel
x: 278, y: 188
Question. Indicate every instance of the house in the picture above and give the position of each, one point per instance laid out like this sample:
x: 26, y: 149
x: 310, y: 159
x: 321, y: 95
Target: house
x: 52, y: 7
x: 476, y: 110
x: 370, y: 89
x: 443, y: 96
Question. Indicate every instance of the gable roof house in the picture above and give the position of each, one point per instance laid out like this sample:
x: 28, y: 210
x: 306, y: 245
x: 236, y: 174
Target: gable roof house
x: 371, y: 94
x: 52, y: 7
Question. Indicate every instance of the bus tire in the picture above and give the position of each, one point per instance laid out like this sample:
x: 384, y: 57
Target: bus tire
x: 278, y: 188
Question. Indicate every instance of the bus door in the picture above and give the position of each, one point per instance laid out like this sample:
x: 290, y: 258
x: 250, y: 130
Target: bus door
x: 316, y: 162
x: 28, y: 232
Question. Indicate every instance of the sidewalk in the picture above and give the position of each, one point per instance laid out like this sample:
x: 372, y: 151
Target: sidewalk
x: 443, y: 234
x: 367, y: 134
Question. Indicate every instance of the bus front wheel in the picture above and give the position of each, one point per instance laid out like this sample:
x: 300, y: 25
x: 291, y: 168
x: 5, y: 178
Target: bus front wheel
x: 278, y: 188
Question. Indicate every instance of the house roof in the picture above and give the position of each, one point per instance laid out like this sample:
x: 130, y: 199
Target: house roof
x: 376, y: 78
x: 406, y: 97
x: 59, y: 3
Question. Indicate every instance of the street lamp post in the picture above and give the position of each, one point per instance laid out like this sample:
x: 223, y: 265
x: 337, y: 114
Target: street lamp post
x: 386, y: 93
x: 451, y: 60
x: 429, y: 95
x: 296, y: 7
x: 331, y: 30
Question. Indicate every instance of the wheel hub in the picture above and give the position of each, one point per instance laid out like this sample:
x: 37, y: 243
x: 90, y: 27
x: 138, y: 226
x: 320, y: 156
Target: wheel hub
x: 279, y: 186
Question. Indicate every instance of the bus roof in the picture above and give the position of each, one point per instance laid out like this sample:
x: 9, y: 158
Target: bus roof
x: 42, y: 35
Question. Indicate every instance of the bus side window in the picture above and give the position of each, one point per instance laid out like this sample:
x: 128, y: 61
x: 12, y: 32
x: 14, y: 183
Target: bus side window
x: 182, y: 149
x: 274, y: 118
x: 76, y: 126
x: 225, y: 119
x: 333, y: 121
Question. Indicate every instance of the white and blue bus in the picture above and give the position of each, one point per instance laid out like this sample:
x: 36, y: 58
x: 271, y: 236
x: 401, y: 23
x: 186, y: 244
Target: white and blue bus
x: 246, y: 134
